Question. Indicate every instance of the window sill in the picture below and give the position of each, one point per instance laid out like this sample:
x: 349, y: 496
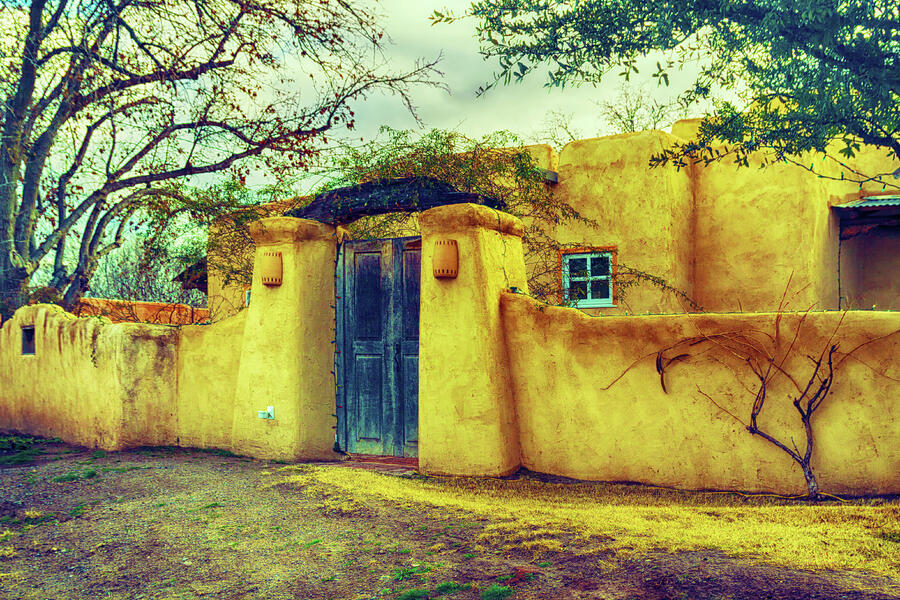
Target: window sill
x: 583, y: 304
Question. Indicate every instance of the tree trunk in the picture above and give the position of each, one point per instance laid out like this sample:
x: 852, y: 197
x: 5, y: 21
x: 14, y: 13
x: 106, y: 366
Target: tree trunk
x: 13, y: 284
x: 812, y: 485
x: 76, y: 289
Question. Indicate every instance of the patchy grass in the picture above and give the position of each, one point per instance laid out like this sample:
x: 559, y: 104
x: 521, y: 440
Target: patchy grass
x: 200, y: 525
x: 74, y: 476
x: 497, y: 592
x: 634, y: 520
x: 17, y: 450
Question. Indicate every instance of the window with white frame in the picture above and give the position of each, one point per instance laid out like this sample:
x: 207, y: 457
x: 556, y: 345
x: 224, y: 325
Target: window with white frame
x: 587, y: 279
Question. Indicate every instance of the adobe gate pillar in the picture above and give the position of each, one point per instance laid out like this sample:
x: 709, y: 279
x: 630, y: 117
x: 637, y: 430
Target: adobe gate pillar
x: 287, y: 354
x: 467, y: 421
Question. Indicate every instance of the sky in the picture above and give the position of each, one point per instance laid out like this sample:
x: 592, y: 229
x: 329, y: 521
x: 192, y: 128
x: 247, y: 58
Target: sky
x: 521, y: 108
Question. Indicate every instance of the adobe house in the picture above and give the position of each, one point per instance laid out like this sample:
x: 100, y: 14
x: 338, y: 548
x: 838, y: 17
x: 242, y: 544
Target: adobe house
x: 429, y: 346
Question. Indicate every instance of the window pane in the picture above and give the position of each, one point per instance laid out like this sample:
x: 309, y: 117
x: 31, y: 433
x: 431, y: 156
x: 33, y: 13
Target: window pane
x: 599, y: 266
x: 577, y: 267
x: 578, y: 290
x: 600, y: 289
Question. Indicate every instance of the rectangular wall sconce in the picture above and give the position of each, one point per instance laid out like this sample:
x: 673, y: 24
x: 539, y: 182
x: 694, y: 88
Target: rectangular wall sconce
x: 446, y: 259
x: 270, y: 267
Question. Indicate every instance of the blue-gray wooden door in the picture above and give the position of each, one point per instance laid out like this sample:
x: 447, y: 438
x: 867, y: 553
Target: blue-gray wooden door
x: 377, y: 358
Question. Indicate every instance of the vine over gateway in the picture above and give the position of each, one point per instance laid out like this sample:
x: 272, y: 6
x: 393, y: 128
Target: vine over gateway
x: 406, y: 194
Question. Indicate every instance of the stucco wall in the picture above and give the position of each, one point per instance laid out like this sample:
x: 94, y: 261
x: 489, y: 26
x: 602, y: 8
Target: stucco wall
x: 89, y: 381
x: 755, y: 228
x: 467, y: 421
x: 561, y: 360
x: 287, y: 354
x: 647, y: 214
x: 208, y: 363
x: 113, y: 386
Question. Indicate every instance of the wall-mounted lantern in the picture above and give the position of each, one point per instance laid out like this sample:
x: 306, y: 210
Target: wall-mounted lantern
x: 446, y: 259
x: 270, y: 268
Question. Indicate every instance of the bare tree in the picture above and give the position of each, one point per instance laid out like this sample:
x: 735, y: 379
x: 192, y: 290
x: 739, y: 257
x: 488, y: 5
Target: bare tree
x: 634, y: 109
x: 768, y: 358
x: 557, y: 129
x: 109, y: 104
x: 143, y: 270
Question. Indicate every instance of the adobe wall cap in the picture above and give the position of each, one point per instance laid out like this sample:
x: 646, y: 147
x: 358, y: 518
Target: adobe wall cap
x: 459, y: 217
x: 274, y: 230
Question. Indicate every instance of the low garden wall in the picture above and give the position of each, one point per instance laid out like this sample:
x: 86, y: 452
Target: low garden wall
x: 88, y: 381
x: 590, y: 402
x: 112, y: 385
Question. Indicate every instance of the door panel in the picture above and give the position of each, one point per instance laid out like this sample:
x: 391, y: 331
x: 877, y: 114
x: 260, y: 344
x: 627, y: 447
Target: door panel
x: 367, y: 377
x: 410, y: 380
x: 409, y: 345
x: 367, y: 296
x: 377, y: 319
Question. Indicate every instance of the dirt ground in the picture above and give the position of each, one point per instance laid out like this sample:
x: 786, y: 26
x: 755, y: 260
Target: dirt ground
x: 175, y: 523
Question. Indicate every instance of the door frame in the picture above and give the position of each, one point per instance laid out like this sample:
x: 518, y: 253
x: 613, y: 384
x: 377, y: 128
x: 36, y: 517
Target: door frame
x: 343, y: 346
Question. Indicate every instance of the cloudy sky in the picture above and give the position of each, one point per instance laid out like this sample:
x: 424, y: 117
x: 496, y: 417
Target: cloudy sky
x: 520, y: 108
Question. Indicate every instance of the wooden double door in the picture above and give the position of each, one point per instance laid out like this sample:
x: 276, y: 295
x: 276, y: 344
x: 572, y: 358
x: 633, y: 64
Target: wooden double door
x: 377, y: 353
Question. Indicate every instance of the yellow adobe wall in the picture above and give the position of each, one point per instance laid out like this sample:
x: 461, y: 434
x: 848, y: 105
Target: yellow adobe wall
x: 287, y: 355
x: 123, y: 385
x: 208, y: 364
x: 569, y: 425
x: 646, y: 213
x: 754, y: 230
x: 467, y: 421
x: 760, y: 227
x: 89, y: 382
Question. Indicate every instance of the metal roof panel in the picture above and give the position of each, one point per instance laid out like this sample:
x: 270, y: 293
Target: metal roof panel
x: 871, y: 202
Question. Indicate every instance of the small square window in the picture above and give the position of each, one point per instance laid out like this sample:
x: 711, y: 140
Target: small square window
x: 587, y: 278
x: 28, y: 339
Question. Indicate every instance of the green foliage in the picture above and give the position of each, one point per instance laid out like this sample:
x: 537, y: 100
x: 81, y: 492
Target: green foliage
x: 74, y: 476
x: 219, y: 452
x: 495, y: 166
x: 21, y: 457
x: 414, y: 594
x: 15, y: 443
x: 809, y: 72
x: 496, y: 592
x: 405, y: 573
x: 17, y: 450
x: 447, y: 588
